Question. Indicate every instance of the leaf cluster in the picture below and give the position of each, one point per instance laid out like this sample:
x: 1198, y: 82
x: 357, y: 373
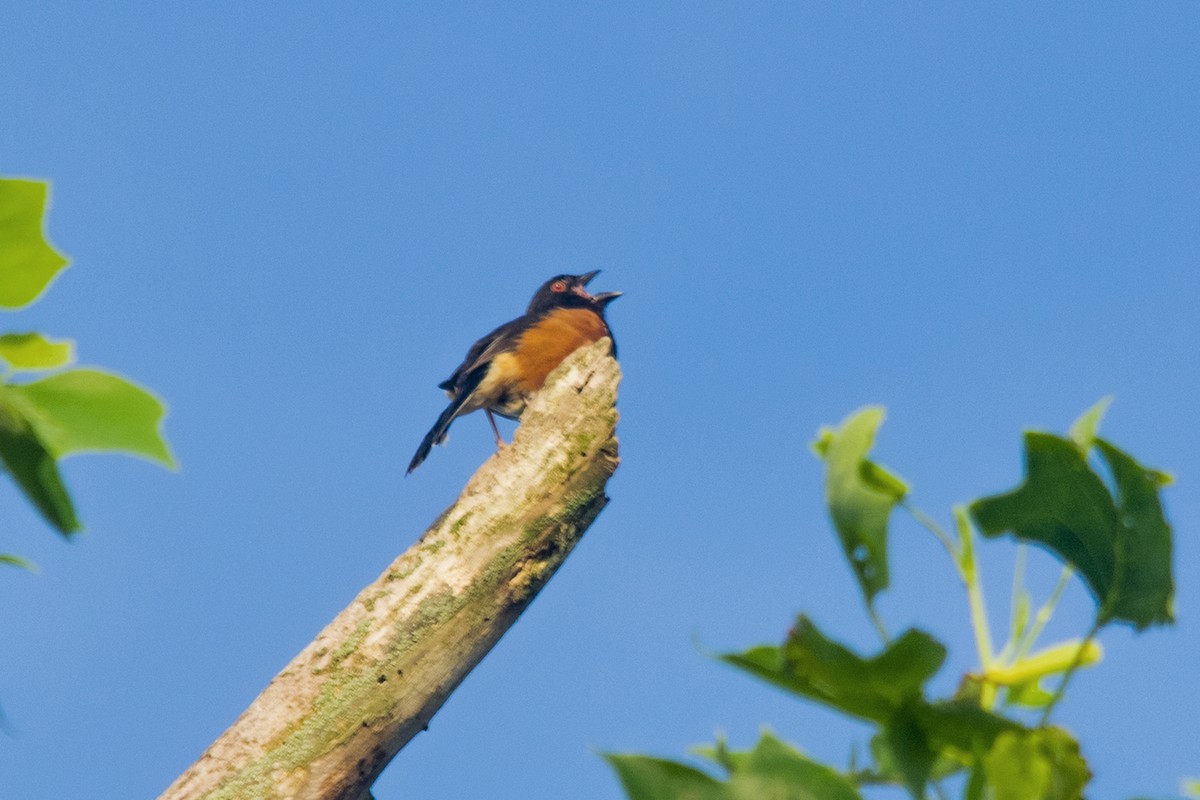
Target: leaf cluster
x: 1085, y: 501
x: 48, y: 408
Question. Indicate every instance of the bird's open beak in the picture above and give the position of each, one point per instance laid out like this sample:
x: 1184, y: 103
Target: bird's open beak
x: 582, y: 281
x: 604, y: 298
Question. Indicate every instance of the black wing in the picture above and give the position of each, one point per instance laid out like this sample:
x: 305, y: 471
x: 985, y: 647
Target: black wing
x: 502, y: 339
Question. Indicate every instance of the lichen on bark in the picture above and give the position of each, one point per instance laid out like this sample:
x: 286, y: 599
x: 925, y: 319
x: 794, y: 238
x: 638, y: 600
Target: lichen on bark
x: 330, y: 722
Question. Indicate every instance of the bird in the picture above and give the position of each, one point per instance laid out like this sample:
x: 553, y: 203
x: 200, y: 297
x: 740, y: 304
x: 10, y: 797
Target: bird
x: 505, y: 368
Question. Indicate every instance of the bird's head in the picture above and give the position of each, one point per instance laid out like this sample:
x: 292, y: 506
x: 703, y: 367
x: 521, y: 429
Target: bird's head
x: 570, y: 291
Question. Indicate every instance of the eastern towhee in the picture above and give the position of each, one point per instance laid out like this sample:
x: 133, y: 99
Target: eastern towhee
x: 503, y: 369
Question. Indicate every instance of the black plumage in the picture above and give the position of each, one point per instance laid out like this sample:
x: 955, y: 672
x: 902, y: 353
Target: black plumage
x: 505, y: 367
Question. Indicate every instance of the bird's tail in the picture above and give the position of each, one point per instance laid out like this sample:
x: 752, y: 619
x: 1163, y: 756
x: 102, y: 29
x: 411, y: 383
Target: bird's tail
x: 437, y: 434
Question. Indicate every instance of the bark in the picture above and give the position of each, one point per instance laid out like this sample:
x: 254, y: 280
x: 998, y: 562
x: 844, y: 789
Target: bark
x: 328, y: 724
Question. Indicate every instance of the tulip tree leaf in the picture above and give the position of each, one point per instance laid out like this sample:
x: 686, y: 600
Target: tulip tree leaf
x: 720, y: 754
x: 1083, y: 430
x: 925, y: 740
x: 773, y: 769
x: 646, y: 778
x: 1145, y: 589
x: 910, y: 752
x: 76, y: 411
x: 1062, y: 505
x: 811, y: 665
x: 1030, y: 695
x: 766, y: 663
x: 27, y: 261
x: 32, y: 351
x: 87, y: 411
x: 861, y: 495
x: 32, y: 466
x: 1121, y: 546
x: 1041, y: 764
x: 917, y: 738
x: 960, y: 725
x: 894, y: 760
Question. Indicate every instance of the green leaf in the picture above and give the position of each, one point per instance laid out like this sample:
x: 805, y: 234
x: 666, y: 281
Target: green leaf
x: 1083, y: 430
x: 32, y: 351
x: 18, y: 562
x: 27, y: 261
x: 959, y: 728
x: 646, y: 778
x: 1191, y: 788
x: 766, y: 662
x: 1062, y: 505
x: 909, y: 751
x: 774, y: 770
x: 719, y: 754
x: 88, y: 411
x: 975, y: 784
x: 888, y: 759
x: 1121, y: 548
x: 32, y: 466
x: 861, y: 495
x: 1030, y: 694
x: 1041, y: 764
x: 811, y: 665
x: 1145, y: 590
x: 961, y: 725
x: 932, y: 740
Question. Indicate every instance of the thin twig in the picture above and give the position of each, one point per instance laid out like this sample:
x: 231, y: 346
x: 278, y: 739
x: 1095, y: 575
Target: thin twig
x: 877, y: 621
x: 930, y: 524
x: 1018, y: 589
x: 1043, y: 615
x: 963, y: 556
x: 1075, y: 664
x: 970, y: 571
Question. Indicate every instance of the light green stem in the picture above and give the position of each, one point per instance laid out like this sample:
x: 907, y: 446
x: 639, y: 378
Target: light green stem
x: 963, y: 556
x: 969, y: 568
x: 877, y: 621
x: 930, y: 524
x: 1018, y: 588
x: 1043, y: 615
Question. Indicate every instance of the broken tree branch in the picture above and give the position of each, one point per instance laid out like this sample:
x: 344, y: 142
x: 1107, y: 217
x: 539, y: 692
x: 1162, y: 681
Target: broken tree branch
x: 329, y: 723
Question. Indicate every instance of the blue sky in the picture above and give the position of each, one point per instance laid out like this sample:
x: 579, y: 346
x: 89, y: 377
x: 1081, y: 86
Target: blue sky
x: 291, y: 220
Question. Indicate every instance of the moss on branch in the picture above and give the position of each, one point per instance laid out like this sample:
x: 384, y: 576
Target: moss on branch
x: 330, y: 722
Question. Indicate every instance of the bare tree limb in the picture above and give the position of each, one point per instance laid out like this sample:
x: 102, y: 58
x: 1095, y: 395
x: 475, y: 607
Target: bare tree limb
x: 331, y: 721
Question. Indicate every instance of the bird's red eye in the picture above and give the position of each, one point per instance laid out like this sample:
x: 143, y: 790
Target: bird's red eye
x: 558, y: 286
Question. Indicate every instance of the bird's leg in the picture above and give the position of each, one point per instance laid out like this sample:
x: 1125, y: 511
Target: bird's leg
x: 499, y: 440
